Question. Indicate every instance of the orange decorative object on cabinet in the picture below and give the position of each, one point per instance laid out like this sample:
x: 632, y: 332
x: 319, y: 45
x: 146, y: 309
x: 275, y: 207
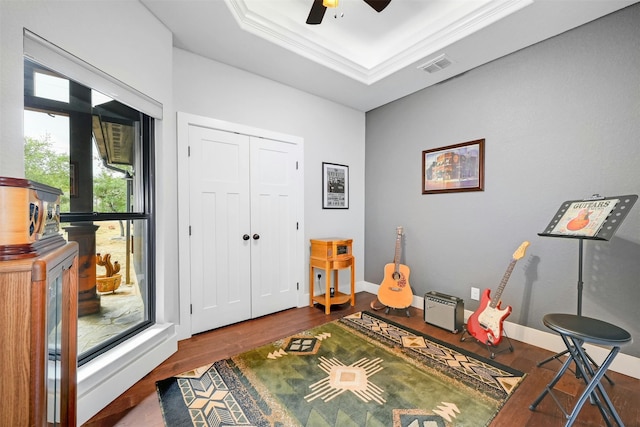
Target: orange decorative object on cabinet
x: 331, y: 254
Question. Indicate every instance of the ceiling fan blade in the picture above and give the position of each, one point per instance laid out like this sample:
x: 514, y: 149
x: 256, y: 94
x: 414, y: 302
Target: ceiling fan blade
x: 378, y: 5
x: 316, y: 13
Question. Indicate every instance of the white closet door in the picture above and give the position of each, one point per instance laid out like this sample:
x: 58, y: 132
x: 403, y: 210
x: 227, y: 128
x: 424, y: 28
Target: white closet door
x: 273, y: 220
x: 243, y: 204
x: 219, y: 219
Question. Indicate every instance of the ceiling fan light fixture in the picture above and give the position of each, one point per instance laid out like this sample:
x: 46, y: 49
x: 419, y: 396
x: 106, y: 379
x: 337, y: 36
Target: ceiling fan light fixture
x: 330, y: 3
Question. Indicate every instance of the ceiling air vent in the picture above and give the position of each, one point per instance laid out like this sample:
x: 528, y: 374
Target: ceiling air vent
x: 436, y: 64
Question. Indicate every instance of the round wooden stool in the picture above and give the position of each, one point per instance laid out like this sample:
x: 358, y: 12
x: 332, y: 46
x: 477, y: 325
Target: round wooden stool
x: 575, y: 331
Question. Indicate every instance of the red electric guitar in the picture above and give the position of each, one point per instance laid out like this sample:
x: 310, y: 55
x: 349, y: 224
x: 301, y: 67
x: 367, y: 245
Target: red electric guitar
x: 485, y: 324
x: 395, y: 291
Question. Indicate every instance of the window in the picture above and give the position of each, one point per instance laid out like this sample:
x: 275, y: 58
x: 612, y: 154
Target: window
x: 99, y: 152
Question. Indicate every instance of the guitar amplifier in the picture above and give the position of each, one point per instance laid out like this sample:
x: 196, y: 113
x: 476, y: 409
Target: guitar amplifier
x: 444, y: 311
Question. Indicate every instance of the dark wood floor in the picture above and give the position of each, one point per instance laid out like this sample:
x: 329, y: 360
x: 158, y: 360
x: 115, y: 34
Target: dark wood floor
x: 139, y: 405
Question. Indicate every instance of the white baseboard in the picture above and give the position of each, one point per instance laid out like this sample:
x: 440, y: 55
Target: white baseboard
x: 623, y: 363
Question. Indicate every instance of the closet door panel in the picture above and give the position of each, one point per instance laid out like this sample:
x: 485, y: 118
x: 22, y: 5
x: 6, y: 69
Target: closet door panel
x: 219, y: 217
x: 273, y: 174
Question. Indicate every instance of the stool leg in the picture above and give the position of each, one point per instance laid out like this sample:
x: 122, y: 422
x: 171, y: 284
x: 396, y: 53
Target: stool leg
x: 556, y: 356
x: 585, y: 367
x: 594, y: 383
x: 585, y: 371
x: 591, y: 379
x: 593, y: 362
x: 553, y: 382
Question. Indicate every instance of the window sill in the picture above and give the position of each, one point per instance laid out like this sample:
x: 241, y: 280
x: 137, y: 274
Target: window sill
x: 107, y: 376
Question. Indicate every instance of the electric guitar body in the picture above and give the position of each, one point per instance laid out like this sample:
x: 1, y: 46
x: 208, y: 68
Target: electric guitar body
x: 395, y: 290
x: 485, y: 324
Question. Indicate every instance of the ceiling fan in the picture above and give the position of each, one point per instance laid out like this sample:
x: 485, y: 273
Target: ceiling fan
x: 318, y: 9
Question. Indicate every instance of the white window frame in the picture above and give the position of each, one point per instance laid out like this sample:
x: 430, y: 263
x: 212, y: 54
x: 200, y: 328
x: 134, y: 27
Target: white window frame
x: 104, y: 378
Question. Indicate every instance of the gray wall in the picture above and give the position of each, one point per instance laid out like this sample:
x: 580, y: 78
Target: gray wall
x: 561, y: 121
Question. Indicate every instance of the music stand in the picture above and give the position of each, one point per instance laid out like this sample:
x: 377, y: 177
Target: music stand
x: 603, y: 228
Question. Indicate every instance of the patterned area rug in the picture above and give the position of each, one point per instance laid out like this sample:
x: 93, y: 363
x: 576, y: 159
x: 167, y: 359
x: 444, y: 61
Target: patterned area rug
x: 361, y: 370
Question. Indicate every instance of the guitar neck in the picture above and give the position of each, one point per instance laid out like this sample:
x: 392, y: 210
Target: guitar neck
x: 498, y: 294
x: 396, y: 258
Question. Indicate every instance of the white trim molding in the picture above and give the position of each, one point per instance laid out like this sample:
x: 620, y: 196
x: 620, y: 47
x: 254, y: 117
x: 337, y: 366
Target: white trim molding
x: 623, y: 363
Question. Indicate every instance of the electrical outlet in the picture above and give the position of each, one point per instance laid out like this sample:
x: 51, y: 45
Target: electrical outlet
x: 475, y: 294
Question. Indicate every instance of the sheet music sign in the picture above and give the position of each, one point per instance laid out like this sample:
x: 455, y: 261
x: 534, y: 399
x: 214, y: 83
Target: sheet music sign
x: 584, y: 218
x: 335, y: 186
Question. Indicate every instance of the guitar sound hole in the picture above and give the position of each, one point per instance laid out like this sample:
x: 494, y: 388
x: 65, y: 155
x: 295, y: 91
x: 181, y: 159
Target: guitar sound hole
x: 396, y: 275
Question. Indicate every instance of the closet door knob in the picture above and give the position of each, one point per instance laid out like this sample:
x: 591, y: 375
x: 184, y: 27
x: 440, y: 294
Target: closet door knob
x: 246, y: 237
x: 256, y: 236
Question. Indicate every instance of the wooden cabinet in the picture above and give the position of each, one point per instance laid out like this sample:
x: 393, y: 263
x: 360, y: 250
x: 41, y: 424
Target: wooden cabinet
x: 38, y: 319
x: 331, y: 254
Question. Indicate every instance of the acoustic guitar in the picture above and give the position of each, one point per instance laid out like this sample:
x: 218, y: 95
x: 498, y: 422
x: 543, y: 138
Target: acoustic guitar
x: 395, y: 290
x: 485, y: 324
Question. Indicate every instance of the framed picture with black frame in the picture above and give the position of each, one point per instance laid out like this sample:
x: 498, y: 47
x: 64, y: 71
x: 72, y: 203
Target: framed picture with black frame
x: 335, y: 186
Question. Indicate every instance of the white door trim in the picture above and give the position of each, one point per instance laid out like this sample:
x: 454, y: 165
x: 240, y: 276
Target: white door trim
x: 184, y: 120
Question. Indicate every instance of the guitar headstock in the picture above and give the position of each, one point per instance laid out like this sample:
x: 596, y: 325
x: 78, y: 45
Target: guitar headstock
x: 519, y: 253
x: 399, y: 231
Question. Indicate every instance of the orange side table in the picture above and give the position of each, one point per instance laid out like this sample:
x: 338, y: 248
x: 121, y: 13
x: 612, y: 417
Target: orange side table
x: 331, y: 254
